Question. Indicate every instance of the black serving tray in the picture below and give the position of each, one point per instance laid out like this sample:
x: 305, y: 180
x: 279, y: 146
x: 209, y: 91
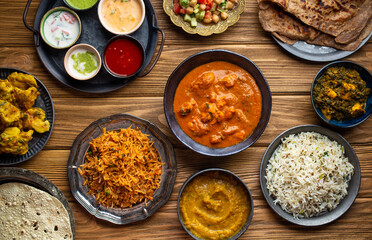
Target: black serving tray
x: 95, y: 34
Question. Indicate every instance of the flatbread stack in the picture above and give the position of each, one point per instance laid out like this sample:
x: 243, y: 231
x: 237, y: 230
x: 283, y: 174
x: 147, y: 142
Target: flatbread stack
x: 29, y: 213
x: 341, y: 24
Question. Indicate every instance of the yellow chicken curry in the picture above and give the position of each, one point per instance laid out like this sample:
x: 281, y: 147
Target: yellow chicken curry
x: 218, y: 104
x: 341, y: 94
x: 18, y: 118
x: 214, y: 205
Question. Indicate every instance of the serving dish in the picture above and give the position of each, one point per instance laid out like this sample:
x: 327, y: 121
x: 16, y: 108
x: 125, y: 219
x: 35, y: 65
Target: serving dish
x: 85, y: 7
x: 127, y: 51
x: 365, y: 75
x: 206, y: 57
x: 204, y: 29
x: 220, y: 171
x: 139, y: 211
x: 54, y: 28
x: 316, y: 53
x: 39, y: 140
x: 94, y: 34
x: 13, y: 174
x: 69, y: 66
x: 109, y: 28
x: 353, y: 185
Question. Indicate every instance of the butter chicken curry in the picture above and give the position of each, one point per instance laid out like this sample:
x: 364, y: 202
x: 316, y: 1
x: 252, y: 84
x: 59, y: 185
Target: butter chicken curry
x: 218, y: 104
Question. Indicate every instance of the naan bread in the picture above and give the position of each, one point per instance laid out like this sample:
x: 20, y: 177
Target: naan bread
x: 29, y: 213
x: 343, y: 19
x: 289, y: 29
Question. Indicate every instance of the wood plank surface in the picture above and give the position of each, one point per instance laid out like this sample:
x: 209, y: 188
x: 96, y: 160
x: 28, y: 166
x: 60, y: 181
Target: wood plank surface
x: 289, y: 79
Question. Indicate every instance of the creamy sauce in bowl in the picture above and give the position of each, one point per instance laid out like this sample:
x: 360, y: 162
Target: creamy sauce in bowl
x: 60, y: 28
x: 121, y: 17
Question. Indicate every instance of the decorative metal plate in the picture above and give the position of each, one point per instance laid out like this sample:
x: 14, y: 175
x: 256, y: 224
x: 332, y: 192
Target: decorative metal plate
x: 204, y: 29
x: 139, y: 211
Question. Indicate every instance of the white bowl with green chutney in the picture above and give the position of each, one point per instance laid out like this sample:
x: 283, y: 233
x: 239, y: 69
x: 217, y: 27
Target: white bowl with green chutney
x: 82, y: 61
x: 80, y: 5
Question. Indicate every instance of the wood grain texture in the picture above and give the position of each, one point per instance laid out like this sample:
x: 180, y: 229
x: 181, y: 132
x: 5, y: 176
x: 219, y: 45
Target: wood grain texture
x: 289, y: 78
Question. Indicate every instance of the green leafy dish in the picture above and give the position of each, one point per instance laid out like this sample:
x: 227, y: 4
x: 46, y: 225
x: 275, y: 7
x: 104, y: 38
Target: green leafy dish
x: 201, y: 28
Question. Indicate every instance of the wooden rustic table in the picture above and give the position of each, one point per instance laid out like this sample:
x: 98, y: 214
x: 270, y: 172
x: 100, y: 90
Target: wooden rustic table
x: 289, y: 79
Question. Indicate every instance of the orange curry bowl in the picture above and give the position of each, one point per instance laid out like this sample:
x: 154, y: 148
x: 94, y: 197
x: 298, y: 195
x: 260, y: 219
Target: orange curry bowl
x: 217, y: 102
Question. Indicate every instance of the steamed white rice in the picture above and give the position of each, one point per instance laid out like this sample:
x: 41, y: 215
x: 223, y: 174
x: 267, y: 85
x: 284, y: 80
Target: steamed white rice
x: 308, y: 174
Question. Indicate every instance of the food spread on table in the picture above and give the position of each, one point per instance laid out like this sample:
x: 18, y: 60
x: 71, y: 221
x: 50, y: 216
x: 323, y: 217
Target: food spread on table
x: 18, y: 116
x: 218, y: 104
x: 30, y: 213
x: 341, y: 94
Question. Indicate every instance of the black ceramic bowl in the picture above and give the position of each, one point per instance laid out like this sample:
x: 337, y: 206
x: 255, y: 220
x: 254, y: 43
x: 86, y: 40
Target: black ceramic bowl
x: 228, y: 173
x: 353, y: 185
x: 134, y: 45
x: 205, y: 57
x: 365, y: 75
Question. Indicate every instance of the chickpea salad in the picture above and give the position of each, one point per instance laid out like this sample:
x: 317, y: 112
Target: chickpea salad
x: 206, y: 11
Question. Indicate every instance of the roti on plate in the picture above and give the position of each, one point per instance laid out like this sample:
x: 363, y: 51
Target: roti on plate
x: 29, y: 213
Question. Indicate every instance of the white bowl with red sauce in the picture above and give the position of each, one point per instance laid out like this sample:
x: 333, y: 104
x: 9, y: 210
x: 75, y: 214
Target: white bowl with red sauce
x: 123, y: 56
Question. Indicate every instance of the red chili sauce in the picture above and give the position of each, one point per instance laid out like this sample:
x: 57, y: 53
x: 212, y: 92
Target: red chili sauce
x: 123, y: 57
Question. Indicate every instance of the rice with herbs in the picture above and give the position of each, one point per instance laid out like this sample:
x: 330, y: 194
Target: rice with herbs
x: 308, y: 174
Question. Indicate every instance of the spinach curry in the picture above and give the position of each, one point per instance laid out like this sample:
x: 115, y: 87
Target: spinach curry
x: 341, y: 94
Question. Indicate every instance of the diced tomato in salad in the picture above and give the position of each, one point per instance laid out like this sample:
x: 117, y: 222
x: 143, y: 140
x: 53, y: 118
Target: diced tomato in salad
x: 207, y: 2
x: 202, y: 10
x: 176, y: 7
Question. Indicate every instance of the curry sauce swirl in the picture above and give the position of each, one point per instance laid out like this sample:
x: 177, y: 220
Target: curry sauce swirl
x: 214, y: 205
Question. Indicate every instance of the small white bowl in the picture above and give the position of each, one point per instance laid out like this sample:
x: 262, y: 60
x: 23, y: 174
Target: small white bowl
x: 108, y: 28
x: 47, y: 39
x: 68, y: 61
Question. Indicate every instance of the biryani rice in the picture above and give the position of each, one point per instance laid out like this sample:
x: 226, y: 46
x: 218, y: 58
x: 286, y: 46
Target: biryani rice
x: 308, y: 174
x: 122, y: 168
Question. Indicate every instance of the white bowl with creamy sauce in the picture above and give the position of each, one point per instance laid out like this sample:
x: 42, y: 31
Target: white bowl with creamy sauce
x: 60, y: 27
x: 82, y: 61
x: 121, y: 17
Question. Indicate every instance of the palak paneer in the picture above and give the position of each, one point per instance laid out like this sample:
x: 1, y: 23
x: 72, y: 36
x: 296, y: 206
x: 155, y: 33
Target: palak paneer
x: 341, y: 94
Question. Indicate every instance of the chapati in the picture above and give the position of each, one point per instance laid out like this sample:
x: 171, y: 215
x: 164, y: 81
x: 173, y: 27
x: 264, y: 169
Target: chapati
x: 343, y: 19
x: 287, y: 28
x: 29, y: 213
